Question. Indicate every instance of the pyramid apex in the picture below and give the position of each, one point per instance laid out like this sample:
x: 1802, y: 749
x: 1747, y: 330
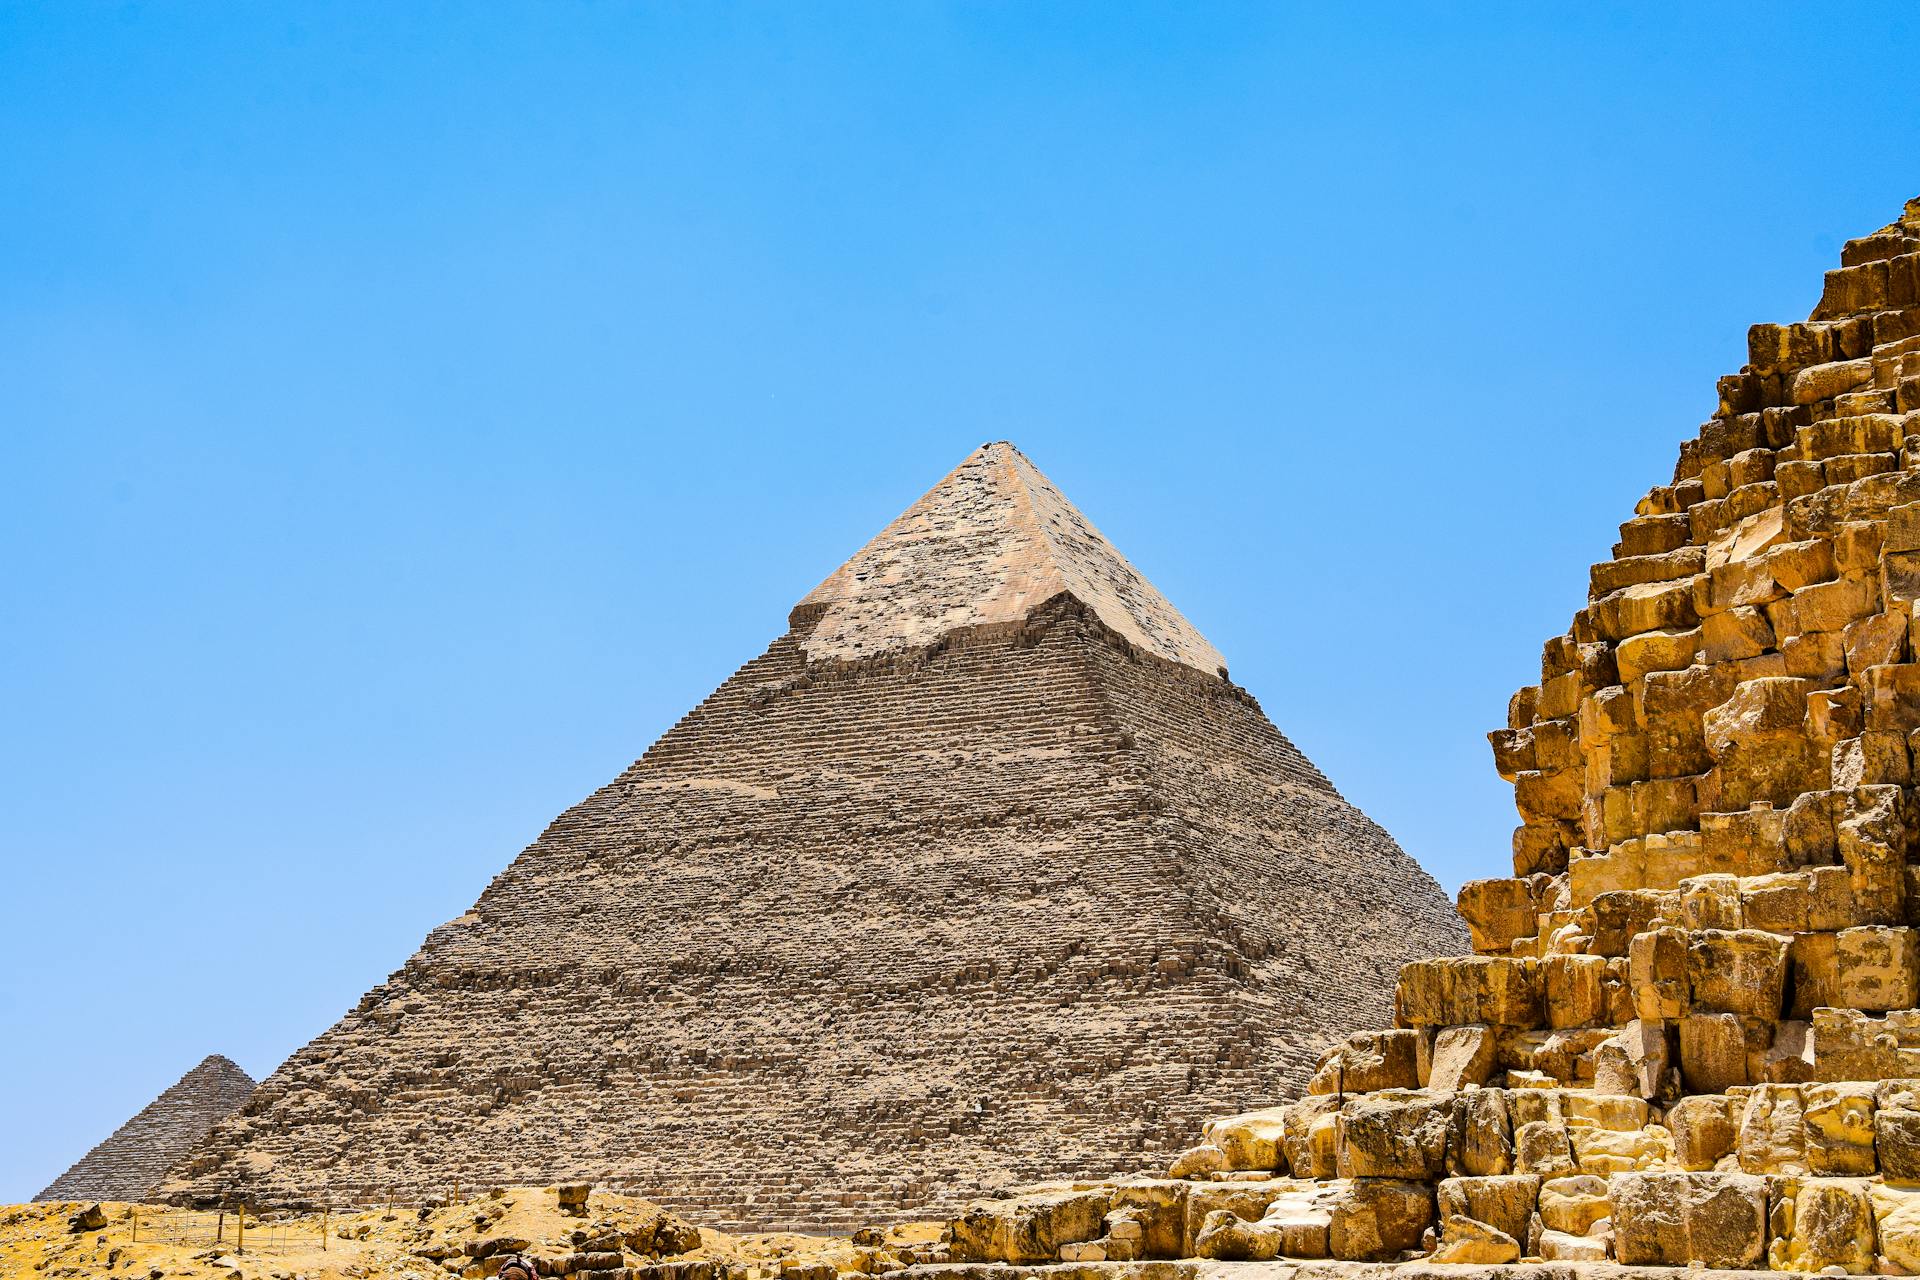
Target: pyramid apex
x: 990, y: 543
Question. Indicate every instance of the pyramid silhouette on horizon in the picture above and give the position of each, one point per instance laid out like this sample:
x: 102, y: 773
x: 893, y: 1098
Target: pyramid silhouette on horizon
x: 983, y: 870
x: 129, y: 1163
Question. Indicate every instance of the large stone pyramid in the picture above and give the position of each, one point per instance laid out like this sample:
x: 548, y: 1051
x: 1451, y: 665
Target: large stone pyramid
x: 1689, y: 1033
x: 131, y: 1162
x: 983, y: 869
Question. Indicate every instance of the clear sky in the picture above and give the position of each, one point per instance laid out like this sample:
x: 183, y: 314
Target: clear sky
x: 408, y: 411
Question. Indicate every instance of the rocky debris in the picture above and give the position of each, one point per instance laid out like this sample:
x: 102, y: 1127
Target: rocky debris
x: 616, y: 1238
x: 91, y: 1218
x: 1688, y: 1034
x: 989, y: 778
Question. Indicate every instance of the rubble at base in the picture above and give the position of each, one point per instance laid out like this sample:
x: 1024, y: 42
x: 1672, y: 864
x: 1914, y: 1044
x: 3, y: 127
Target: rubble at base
x: 1688, y: 1036
x: 1298, y: 1270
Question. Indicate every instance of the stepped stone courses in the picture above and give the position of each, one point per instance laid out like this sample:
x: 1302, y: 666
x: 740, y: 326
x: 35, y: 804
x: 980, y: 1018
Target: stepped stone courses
x: 129, y: 1164
x: 1688, y: 1033
x: 982, y: 871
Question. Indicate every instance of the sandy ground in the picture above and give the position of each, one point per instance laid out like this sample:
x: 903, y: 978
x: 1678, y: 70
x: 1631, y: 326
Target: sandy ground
x: 145, y: 1242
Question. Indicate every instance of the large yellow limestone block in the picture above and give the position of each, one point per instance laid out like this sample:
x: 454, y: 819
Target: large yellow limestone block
x: 1302, y: 1221
x: 1311, y: 1132
x: 1574, y: 1205
x: 1741, y: 972
x: 1704, y: 1129
x: 1030, y: 1228
x: 1369, y: 1061
x: 1877, y: 968
x: 1819, y: 1223
x: 1251, y: 1140
x: 1839, y: 1122
x: 1505, y: 1203
x: 1465, y: 989
x: 1773, y: 1131
x: 1394, y: 1135
x: 1480, y: 1136
x: 1161, y: 1210
x: 1461, y: 1056
x: 1896, y: 1129
x: 1896, y: 1215
x: 1466, y: 1240
x: 1677, y: 1219
x: 1228, y: 1237
x: 1247, y: 1201
x: 1377, y: 1218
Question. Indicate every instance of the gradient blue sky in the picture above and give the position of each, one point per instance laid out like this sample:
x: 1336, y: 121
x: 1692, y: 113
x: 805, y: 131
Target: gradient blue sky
x: 407, y: 411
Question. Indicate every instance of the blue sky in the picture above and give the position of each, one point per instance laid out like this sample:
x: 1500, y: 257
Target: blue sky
x: 408, y: 411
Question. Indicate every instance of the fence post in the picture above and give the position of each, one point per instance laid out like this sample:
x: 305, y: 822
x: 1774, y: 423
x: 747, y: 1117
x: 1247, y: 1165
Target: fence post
x: 240, y: 1228
x: 326, y: 1219
x: 220, y: 1226
x: 136, y: 1225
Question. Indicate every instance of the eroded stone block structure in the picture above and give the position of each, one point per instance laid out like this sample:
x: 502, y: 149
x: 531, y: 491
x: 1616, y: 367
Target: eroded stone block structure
x: 1688, y: 1031
x: 984, y: 870
x: 129, y: 1164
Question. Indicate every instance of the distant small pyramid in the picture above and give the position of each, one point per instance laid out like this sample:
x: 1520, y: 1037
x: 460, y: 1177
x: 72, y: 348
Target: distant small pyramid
x: 982, y: 869
x: 130, y: 1163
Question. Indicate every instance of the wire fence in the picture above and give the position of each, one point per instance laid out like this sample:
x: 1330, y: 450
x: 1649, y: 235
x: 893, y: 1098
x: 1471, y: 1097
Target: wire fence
x: 235, y: 1230
x: 242, y: 1229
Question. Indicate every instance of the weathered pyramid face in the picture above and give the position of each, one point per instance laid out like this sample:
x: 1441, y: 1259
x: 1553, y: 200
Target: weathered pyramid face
x: 981, y: 871
x: 129, y: 1164
x: 1689, y: 1033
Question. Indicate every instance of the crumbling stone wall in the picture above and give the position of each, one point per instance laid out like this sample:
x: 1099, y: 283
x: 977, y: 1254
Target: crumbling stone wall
x: 862, y: 933
x: 1688, y: 1031
x: 130, y: 1163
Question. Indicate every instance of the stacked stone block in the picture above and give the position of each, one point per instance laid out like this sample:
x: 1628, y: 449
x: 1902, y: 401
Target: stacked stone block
x: 1688, y: 1033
